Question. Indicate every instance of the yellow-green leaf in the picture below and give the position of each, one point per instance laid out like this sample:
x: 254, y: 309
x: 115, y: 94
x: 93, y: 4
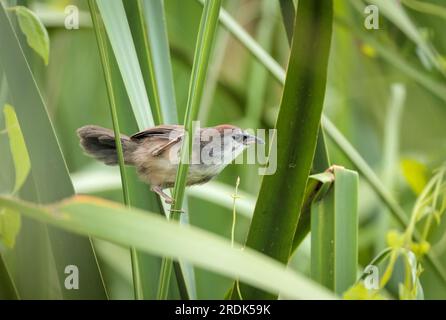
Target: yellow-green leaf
x: 360, y: 292
x: 35, y: 32
x: 9, y: 226
x: 17, y: 145
x: 415, y: 173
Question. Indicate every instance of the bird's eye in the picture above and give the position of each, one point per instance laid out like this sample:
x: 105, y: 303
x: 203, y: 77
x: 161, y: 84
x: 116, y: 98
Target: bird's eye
x: 238, y: 137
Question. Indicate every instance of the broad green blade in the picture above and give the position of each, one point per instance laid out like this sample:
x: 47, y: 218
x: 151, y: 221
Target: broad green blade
x: 317, y: 187
x: 322, y: 244
x: 206, y: 34
x: 281, y: 195
x: 137, y: 24
x: 157, y: 84
x: 118, y: 31
x: 154, y: 234
x: 334, y: 233
x: 288, y: 16
x: 8, y: 290
x: 345, y: 229
x: 257, y: 88
x: 48, y: 172
x: 321, y: 161
x: 159, y: 45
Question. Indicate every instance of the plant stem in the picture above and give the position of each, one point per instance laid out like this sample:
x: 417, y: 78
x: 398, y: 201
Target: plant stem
x: 102, y: 44
x: 206, y: 32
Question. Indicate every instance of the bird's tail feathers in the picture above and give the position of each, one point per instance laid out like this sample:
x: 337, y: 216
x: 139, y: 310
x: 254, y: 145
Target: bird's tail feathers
x: 99, y: 143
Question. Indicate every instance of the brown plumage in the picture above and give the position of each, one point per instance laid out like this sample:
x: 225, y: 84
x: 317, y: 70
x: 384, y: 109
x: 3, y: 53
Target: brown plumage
x: 155, y: 152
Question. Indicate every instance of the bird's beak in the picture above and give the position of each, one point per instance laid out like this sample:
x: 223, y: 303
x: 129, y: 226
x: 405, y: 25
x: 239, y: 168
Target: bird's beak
x: 250, y: 139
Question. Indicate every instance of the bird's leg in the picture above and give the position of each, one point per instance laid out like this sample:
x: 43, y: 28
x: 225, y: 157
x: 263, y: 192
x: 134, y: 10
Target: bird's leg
x: 158, y: 190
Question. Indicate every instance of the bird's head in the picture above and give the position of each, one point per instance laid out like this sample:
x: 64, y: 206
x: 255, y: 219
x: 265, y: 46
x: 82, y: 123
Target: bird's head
x: 223, y: 143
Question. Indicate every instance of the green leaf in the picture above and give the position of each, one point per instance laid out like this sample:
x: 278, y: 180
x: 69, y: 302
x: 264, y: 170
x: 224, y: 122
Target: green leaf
x: 137, y: 24
x: 346, y: 228
x: 9, y: 219
x: 9, y: 227
x: 281, y: 195
x: 322, y: 241
x: 100, y: 34
x: 35, y: 32
x: 118, y: 31
x: 50, y: 174
x: 334, y: 233
x: 154, y: 234
x: 317, y: 187
x: 8, y: 290
x: 17, y: 145
x: 415, y: 173
x: 360, y: 292
x: 206, y: 34
x: 160, y: 55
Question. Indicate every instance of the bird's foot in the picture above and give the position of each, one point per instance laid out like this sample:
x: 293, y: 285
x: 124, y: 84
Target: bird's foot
x: 159, y: 191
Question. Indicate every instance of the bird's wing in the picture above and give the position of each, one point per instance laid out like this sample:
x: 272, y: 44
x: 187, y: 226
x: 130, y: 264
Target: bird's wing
x: 163, y: 132
x: 171, y: 133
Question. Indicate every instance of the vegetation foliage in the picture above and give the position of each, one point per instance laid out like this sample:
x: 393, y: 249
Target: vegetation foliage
x: 354, y: 209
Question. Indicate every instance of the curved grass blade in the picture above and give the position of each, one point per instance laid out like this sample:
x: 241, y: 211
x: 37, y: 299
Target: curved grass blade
x: 206, y: 33
x: 145, y: 48
x: 317, y: 187
x: 334, y: 233
x: 154, y: 234
x: 102, y: 44
x: 153, y: 11
x: 288, y: 16
x: 118, y: 31
x: 281, y: 195
x: 66, y: 248
x: 138, y: 28
x: 8, y: 290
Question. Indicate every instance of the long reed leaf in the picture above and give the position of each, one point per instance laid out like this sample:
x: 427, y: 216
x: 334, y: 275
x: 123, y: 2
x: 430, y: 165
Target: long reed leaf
x: 49, y: 172
x: 154, y: 234
x: 137, y: 24
x: 334, y: 233
x: 153, y: 11
x: 118, y: 31
x: 206, y: 32
x: 272, y: 233
x: 149, y: 33
x: 102, y: 44
x: 8, y: 289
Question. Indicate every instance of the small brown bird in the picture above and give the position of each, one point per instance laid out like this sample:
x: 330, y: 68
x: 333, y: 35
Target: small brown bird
x: 155, y: 152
